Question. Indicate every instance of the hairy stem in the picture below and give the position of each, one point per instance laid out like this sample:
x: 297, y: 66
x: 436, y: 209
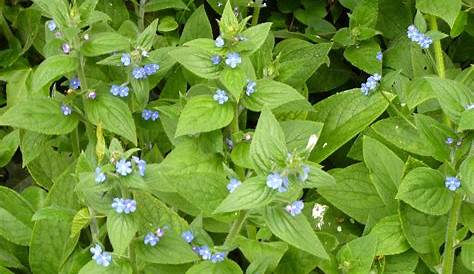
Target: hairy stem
x: 449, y: 246
x: 256, y: 12
x: 141, y: 15
x: 235, y: 229
x: 94, y: 227
x: 438, y: 51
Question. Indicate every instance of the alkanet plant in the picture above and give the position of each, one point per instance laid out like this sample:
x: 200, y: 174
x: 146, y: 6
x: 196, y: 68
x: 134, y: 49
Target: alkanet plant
x: 152, y: 136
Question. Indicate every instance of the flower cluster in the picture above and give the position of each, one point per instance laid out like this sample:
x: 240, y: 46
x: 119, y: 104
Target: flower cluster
x: 418, y: 37
x: 100, y: 176
x: 152, y: 239
x: 101, y: 257
x: 250, y: 87
x: 233, y: 184
x: 126, y: 206
x: 207, y: 255
x: 221, y: 96
x: 66, y: 110
x: 141, y: 73
x: 371, y: 84
x: 119, y: 90
x: 150, y: 114
x: 295, y: 208
x: 452, y: 183
x: 233, y: 59
x: 277, y: 181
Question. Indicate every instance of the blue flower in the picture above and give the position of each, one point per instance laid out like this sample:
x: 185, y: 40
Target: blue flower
x: 66, y: 110
x: 425, y: 42
x: 233, y: 184
x: 66, y: 48
x: 295, y: 208
x: 155, y: 115
x: 118, y: 205
x: 96, y: 251
x: 218, y: 257
x: 233, y: 59
x: 146, y: 114
x: 416, y: 36
x: 151, y: 239
x: 160, y: 232
x: 276, y: 181
x: 250, y: 88
x: 51, y: 25
x: 126, y: 59
x: 219, y: 42
x: 305, y: 175
x: 74, y: 83
x: 205, y: 252
x: 121, y: 91
x: 151, y: 69
x: 221, y: 96
x: 371, y: 84
x: 126, y: 206
x: 216, y: 59
x: 449, y: 141
x: 141, y: 164
x: 100, y: 176
x: 100, y: 257
x: 187, y: 236
x: 452, y: 183
x: 379, y: 56
x: 139, y: 73
x: 123, y: 167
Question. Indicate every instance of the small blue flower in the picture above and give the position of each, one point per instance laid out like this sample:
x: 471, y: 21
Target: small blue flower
x: 371, y: 84
x: 121, y: 91
x: 123, y: 167
x: 187, y: 236
x: 151, y: 69
x: 233, y: 59
x: 139, y: 73
x: 155, y: 115
x: 104, y: 259
x: 416, y: 36
x: 425, y: 42
x: 449, y: 141
x: 100, y: 176
x: 413, y: 33
x: 51, y: 25
x: 129, y: 206
x: 66, y: 110
x: 205, y: 252
x: 151, y: 239
x: 66, y: 48
x: 219, y: 42
x: 91, y: 95
x: 146, y: 114
x: 218, y: 257
x: 221, y: 96
x: 276, y: 181
x: 250, y: 88
x: 160, y: 232
x: 96, y: 251
x: 379, y: 56
x: 452, y: 183
x: 126, y: 59
x: 141, y: 164
x: 295, y: 208
x: 216, y: 59
x: 233, y: 184
x: 74, y: 83
x: 305, y: 175
x: 118, y: 205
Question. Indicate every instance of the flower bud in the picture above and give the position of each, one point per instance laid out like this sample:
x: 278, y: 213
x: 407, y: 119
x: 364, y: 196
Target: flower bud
x: 313, y: 139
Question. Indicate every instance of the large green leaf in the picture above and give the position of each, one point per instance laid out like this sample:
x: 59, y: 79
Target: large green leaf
x: 156, y: 5
x: 121, y: 229
x: 255, y: 250
x: 233, y: 80
x: 52, y: 68
x: 227, y: 267
x: 254, y: 37
x: 271, y: 94
x: 294, y: 230
x: 390, y: 238
x: 203, y: 114
x: 425, y: 233
x: 146, y: 39
x: 357, y: 255
x: 41, y: 115
x: 197, y: 26
x: 113, y: 114
x: 171, y: 249
x: 116, y: 267
x: 467, y: 174
x: 197, y: 60
x: 8, y: 147
x: 252, y: 193
x: 105, y: 42
x: 434, y: 134
x: 364, y: 14
x: 447, y: 10
x: 344, y: 115
x: 268, y: 150
x: 16, y: 214
x: 467, y: 120
x: 363, y: 56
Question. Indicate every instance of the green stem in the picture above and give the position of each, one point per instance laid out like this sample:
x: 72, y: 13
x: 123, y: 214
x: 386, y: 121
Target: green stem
x: 76, y: 146
x: 235, y: 229
x: 449, y: 246
x: 94, y: 227
x: 141, y: 15
x: 437, y: 49
x: 256, y: 12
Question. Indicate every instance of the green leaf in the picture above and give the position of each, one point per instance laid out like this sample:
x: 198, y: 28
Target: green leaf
x: 117, y: 266
x: 363, y: 56
x: 423, y: 232
x: 32, y: 145
x: 423, y: 188
x: 105, y: 42
x: 467, y: 120
x: 48, y: 167
x: 294, y: 230
x: 364, y: 14
x: 253, y: 193
x: 401, y: 263
x: 434, y: 134
x: 298, y: 132
x: 8, y: 147
x: 270, y: 94
x: 53, y: 212
x: 234, y: 81
x: 18, y: 85
x: 121, y: 229
x: 171, y: 249
x: 167, y: 24
x: 354, y: 194
x: 113, y: 114
x: 254, y: 38
x: 357, y: 255
x: 203, y: 114
x: 390, y: 238
x: 56, y: 9
x: 197, y: 26
x: 240, y: 155
x: 146, y: 39
x: 317, y: 177
x: 446, y: 10
x: 386, y: 170
x: 52, y: 68
x: 467, y: 174
x: 344, y: 115
x: 227, y: 267
x: 197, y: 60
x: 228, y: 25
x: 156, y: 5
x: 467, y: 253
x: 79, y: 221
x: 268, y: 150
x: 255, y: 250
x: 41, y: 115
x: 13, y: 229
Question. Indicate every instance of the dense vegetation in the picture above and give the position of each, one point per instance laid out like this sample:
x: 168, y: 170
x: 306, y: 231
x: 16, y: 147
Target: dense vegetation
x: 288, y: 136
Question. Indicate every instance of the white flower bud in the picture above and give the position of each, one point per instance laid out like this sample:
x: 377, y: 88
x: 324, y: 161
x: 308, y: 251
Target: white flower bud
x: 313, y: 139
